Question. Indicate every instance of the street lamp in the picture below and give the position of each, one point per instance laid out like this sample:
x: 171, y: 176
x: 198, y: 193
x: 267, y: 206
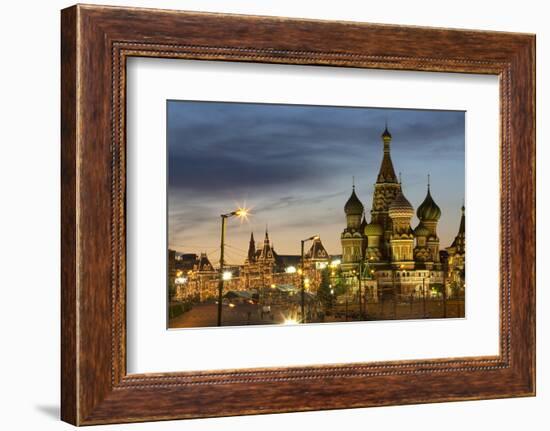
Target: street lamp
x: 311, y: 238
x: 242, y: 213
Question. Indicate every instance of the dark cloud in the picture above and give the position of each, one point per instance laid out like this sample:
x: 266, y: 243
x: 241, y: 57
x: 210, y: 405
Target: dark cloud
x: 294, y: 163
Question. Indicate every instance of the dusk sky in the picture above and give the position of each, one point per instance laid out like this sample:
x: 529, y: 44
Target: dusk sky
x: 293, y: 166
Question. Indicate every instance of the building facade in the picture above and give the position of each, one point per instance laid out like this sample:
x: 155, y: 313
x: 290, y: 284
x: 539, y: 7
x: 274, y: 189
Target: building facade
x: 263, y: 268
x: 387, y: 254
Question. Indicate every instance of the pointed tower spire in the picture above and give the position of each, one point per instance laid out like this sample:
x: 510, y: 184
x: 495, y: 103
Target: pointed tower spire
x: 251, y: 257
x: 267, y: 249
x: 459, y: 241
x: 462, y: 227
x: 386, y: 173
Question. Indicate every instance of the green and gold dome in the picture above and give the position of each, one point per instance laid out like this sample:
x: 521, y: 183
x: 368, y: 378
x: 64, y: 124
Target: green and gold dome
x: 353, y: 205
x: 428, y: 210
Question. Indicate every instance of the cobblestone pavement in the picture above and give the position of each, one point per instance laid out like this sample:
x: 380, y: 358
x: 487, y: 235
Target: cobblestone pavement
x: 205, y: 315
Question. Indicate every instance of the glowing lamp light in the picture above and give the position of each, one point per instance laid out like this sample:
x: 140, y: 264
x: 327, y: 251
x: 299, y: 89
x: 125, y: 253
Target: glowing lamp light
x: 180, y: 280
x: 242, y: 213
x: 290, y: 321
x: 290, y: 270
x: 227, y: 275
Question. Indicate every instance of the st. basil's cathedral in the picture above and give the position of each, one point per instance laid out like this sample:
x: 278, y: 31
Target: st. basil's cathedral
x: 396, y: 258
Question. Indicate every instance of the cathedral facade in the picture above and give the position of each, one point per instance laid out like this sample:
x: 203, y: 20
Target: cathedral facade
x: 387, y: 251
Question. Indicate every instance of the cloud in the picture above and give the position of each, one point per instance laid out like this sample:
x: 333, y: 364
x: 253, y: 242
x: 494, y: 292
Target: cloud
x: 295, y: 162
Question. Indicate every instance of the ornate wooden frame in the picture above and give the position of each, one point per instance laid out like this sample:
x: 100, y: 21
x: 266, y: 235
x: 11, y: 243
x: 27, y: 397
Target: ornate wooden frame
x: 96, y: 41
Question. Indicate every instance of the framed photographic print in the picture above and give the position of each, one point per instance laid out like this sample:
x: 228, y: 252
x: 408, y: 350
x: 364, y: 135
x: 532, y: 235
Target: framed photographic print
x: 325, y: 214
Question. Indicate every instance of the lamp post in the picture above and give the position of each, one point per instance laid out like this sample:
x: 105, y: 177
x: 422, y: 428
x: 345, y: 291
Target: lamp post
x: 302, y: 282
x: 361, y: 311
x: 242, y: 213
x: 444, y: 288
x: 424, y: 297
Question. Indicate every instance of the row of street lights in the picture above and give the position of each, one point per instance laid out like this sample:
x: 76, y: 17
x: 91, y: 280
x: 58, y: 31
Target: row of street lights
x: 224, y: 275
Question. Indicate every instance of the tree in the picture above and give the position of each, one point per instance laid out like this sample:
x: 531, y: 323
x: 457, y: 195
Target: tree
x: 324, y: 292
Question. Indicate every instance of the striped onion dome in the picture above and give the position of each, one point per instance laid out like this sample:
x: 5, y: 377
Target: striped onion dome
x: 400, y: 207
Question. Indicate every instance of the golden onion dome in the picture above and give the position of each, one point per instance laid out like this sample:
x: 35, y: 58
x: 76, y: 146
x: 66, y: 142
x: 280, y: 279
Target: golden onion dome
x: 428, y: 210
x: 400, y: 207
x: 353, y: 205
x: 373, y: 229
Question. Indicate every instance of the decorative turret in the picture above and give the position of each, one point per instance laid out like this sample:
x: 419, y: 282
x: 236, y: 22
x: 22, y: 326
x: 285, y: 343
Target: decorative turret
x: 353, y: 209
x: 429, y: 214
x: 459, y: 242
x: 374, y: 233
x: 203, y: 264
x: 456, y: 262
x: 386, y: 173
x: 251, y: 256
x: 266, y: 255
x: 317, y: 251
x: 401, y: 239
x: 353, y: 241
x: 422, y: 253
x: 385, y: 191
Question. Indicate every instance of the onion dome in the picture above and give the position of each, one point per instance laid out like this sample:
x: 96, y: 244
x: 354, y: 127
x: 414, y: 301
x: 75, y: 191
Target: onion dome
x: 373, y: 229
x: 428, y: 210
x: 421, y: 230
x: 400, y: 207
x: 353, y: 205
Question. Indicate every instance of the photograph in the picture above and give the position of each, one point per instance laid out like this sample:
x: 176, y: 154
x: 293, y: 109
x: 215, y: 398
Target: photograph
x: 284, y: 214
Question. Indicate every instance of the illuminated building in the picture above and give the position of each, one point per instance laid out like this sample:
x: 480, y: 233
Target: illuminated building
x: 401, y: 260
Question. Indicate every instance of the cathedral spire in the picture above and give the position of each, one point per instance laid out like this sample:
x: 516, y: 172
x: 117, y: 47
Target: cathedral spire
x: 267, y: 249
x: 459, y: 241
x: 251, y: 248
x: 386, y: 173
x: 462, y: 228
